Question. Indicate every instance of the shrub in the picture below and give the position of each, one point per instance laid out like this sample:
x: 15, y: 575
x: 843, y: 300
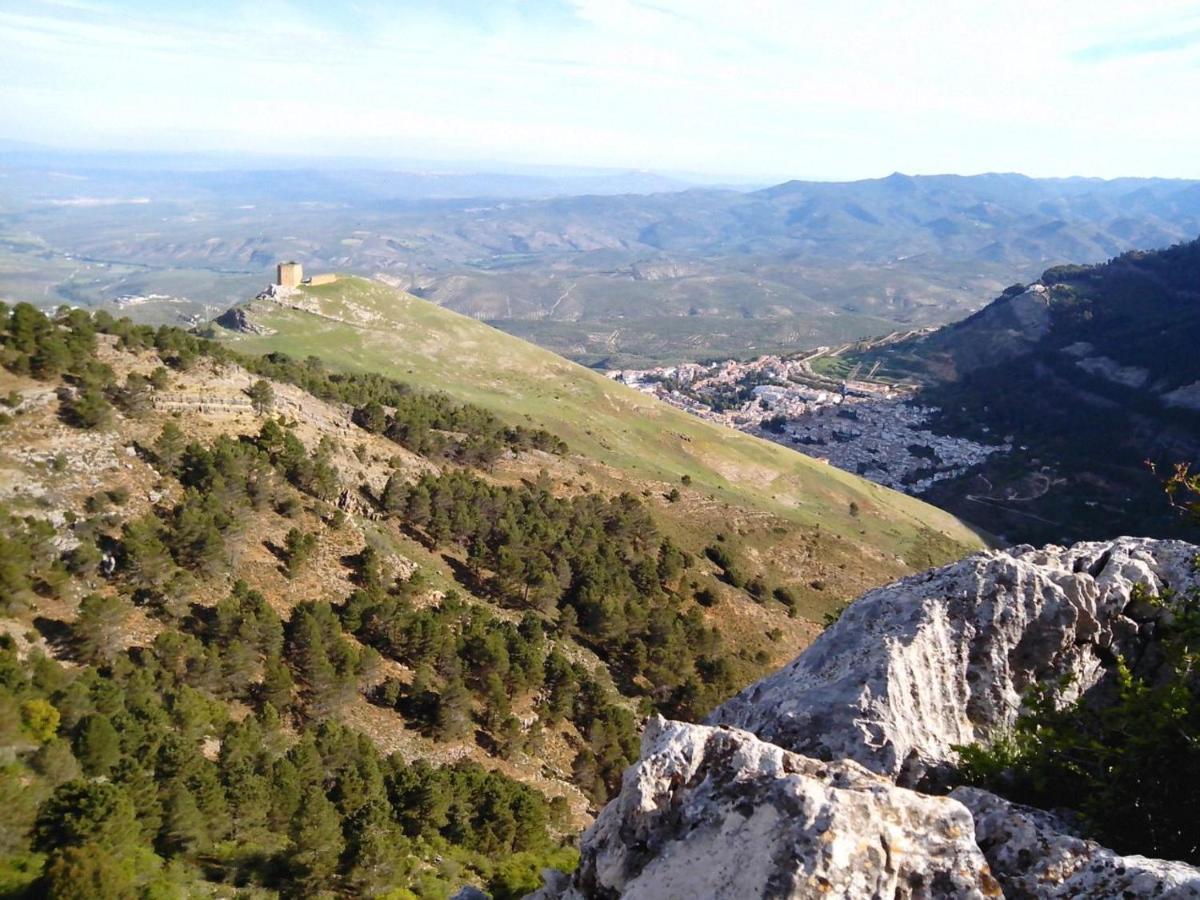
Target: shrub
x: 87, y: 409
x: 1125, y: 764
x: 298, y: 546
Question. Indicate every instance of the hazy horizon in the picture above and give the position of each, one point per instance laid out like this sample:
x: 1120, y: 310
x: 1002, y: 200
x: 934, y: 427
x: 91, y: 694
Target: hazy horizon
x: 235, y: 160
x: 762, y: 93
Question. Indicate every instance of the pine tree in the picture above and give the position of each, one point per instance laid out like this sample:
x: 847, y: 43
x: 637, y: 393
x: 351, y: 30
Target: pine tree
x: 52, y: 355
x: 55, y: 762
x: 168, y: 448
x: 585, y: 774
x: 395, y: 494
x: 184, y: 830
x: 249, y: 805
x: 142, y: 789
x: 87, y: 409
x: 371, y: 417
x: 509, y: 737
x: 298, y: 546
x: 306, y: 758
x: 239, y: 664
x: 99, y: 628
x: 86, y: 872
x: 286, y: 793
x: 496, y: 706
x: 135, y: 397
x: 97, y: 745
x: 86, y: 812
x: 262, y: 397
x: 419, y: 506
x: 144, y: 555
x: 317, y: 841
x: 378, y: 850
x: 454, y: 712
x: 26, y: 324
x: 206, y: 787
x: 277, y: 684
x: 568, y: 622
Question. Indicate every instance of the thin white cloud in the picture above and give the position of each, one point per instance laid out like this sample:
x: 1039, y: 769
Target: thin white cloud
x: 763, y: 86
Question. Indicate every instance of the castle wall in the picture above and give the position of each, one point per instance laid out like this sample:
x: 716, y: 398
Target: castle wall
x: 289, y: 274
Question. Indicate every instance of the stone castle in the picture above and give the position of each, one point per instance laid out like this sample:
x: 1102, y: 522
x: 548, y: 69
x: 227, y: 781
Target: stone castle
x: 290, y: 274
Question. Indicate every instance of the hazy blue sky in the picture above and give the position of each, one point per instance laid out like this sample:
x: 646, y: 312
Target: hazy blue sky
x: 770, y: 88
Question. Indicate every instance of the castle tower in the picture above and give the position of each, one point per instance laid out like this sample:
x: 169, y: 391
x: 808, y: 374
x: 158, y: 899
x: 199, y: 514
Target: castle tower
x: 289, y: 274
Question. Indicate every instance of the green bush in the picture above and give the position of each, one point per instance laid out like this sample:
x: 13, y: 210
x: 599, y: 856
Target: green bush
x: 87, y: 409
x: 1127, y: 763
x: 521, y: 873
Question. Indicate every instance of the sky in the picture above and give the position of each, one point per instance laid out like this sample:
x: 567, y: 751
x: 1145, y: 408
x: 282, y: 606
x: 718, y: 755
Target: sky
x: 758, y: 89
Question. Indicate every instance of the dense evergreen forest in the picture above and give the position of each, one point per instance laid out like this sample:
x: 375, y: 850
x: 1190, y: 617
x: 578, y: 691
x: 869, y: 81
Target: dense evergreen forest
x: 215, y: 752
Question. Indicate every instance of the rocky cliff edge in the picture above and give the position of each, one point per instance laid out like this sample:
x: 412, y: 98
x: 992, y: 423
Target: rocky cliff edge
x: 830, y: 777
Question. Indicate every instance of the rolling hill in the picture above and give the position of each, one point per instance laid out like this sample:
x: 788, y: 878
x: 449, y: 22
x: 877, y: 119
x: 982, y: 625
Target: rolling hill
x: 298, y: 626
x: 604, y: 276
x: 619, y: 437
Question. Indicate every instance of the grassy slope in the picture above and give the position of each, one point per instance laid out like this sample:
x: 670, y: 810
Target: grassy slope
x: 618, y: 437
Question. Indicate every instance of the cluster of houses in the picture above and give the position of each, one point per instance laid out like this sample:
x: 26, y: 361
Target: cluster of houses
x: 869, y: 428
x: 886, y: 441
x: 777, y: 387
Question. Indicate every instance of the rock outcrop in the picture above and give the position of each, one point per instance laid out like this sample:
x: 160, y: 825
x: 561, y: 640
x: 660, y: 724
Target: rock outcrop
x: 236, y: 318
x: 715, y: 812
x: 1033, y: 854
x: 828, y: 778
x: 943, y: 658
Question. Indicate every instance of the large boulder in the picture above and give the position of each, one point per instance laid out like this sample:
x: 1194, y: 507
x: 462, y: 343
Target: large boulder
x: 715, y: 812
x: 1033, y: 854
x: 808, y: 783
x: 944, y: 658
x: 238, y: 318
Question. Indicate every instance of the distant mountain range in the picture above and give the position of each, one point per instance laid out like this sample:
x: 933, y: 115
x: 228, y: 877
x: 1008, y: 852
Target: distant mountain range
x: 1092, y: 372
x: 990, y: 218
x: 605, y: 268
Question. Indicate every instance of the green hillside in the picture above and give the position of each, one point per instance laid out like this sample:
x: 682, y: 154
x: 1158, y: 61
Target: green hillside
x: 1090, y: 372
x: 616, y: 434
x: 309, y: 632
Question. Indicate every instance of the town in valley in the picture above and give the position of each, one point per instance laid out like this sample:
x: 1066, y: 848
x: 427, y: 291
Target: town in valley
x: 874, y: 428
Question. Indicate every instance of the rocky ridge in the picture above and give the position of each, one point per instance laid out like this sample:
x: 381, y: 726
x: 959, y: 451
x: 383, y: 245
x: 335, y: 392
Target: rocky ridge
x: 829, y: 777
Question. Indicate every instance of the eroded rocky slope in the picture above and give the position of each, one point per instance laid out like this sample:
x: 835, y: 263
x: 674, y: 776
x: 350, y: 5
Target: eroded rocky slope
x: 829, y: 778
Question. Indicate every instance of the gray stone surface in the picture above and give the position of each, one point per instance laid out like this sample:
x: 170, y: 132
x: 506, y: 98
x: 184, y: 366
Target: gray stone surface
x: 943, y: 658
x: 820, y: 794
x: 715, y: 812
x: 1032, y: 854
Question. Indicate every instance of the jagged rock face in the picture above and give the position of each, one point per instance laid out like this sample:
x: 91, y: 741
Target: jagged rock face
x: 943, y: 658
x: 880, y: 700
x: 1033, y: 854
x: 237, y: 319
x: 714, y: 812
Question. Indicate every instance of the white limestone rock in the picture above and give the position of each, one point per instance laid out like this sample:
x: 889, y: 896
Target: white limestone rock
x: 908, y: 672
x: 943, y: 658
x: 717, y: 813
x: 1033, y: 854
